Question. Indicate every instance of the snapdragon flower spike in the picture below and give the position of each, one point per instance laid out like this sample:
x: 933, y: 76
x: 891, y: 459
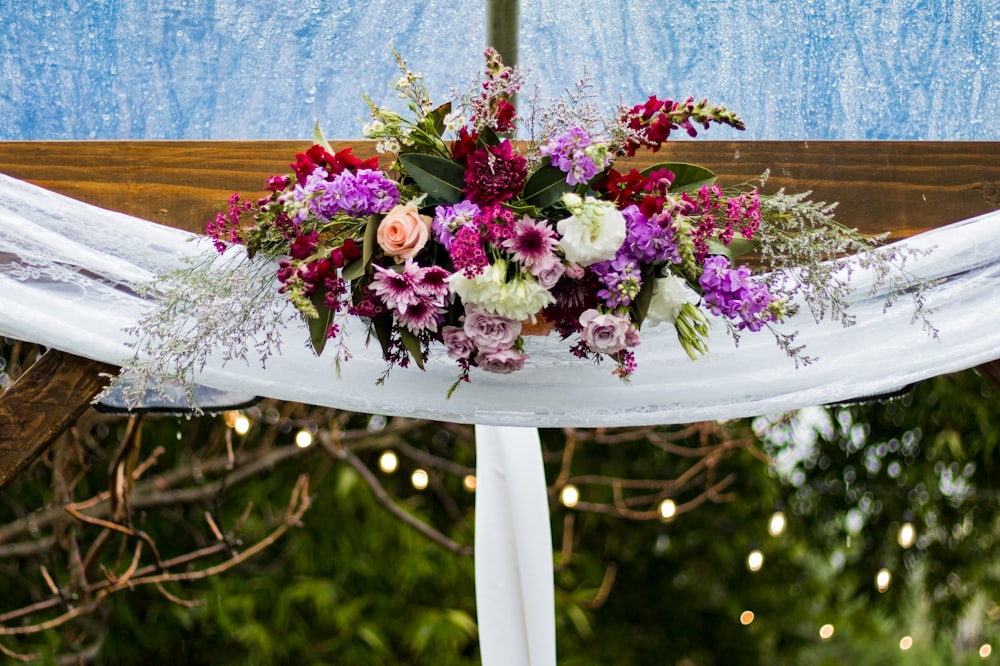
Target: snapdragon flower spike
x: 574, y: 153
x: 225, y: 229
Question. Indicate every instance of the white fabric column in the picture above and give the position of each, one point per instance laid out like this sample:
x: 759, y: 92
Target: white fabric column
x: 515, y: 597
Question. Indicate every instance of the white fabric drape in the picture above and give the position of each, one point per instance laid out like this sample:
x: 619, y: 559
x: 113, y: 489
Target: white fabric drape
x: 66, y: 269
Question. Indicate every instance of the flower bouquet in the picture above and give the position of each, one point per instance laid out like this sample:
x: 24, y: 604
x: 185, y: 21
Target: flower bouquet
x: 473, y: 241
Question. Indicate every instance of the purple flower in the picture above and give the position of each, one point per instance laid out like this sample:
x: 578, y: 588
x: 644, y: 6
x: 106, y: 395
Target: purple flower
x: 573, y: 153
x: 622, y: 280
x: 732, y: 294
x: 449, y: 219
x: 397, y: 289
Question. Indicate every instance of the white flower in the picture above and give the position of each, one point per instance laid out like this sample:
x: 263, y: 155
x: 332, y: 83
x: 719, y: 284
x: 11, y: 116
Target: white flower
x: 594, y: 231
x: 521, y: 298
x: 669, y: 294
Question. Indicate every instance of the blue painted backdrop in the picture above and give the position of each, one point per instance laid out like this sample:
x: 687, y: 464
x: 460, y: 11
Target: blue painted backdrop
x: 219, y: 69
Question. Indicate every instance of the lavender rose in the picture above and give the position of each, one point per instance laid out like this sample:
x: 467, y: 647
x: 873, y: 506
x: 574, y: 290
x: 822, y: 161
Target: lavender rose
x: 457, y: 343
x: 488, y: 331
x: 605, y: 333
x: 503, y: 361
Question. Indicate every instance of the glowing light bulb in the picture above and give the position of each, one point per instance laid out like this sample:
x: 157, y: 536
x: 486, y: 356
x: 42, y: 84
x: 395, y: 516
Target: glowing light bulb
x: 776, y: 525
x: 469, y: 482
x: 826, y: 632
x: 882, y: 580
x: 985, y: 650
x: 241, y: 425
x: 905, y: 643
x: 388, y: 462
x: 907, y: 535
x: 569, y: 495
x: 755, y: 560
x: 668, y: 509
x: 303, y: 439
x: 419, y: 479
x: 746, y: 617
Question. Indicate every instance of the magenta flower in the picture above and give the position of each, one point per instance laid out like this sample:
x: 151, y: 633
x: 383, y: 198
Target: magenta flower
x: 397, y: 289
x: 495, y: 174
x: 423, y: 315
x: 533, y: 243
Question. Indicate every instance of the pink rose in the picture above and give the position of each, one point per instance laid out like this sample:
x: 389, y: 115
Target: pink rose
x: 457, y: 343
x: 403, y: 232
x: 503, y: 362
x: 488, y: 331
x: 605, y: 333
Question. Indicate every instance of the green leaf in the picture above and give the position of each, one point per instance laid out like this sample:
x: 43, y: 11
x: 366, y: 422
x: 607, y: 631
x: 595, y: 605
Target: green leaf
x: 353, y: 270
x: 546, y: 186
x: 488, y: 137
x: 412, y: 344
x: 738, y: 247
x: 440, y: 178
x: 437, y: 117
x: 687, y: 177
x: 645, y: 296
x: 318, y: 326
x: 370, y: 242
x: 320, y: 139
x: 383, y: 331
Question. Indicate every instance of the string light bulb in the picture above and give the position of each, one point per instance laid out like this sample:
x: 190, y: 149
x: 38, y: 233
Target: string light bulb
x: 905, y: 643
x: 907, y: 535
x: 388, y: 462
x: 668, y: 509
x: 776, y: 525
x: 419, y: 479
x: 746, y: 617
x: 882, y: 579
x: 241, y: 424
x: 569, y: 495
x: 985, y: 650
x: 755, y: 560
x: 469, y: 482
x: 303, y: 439
x: 826, y: 632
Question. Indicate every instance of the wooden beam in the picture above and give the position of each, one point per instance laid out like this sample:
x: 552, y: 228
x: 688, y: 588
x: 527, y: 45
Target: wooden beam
x: 42, y: 403
x: 904, y: 187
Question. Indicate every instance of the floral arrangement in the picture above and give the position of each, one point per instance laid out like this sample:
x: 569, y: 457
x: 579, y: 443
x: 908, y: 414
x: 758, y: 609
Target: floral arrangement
x: 471, y: 240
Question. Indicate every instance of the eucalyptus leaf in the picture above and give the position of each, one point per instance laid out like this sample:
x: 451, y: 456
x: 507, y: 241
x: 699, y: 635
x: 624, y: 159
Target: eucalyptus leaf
x: 442, y: 179
x: 437, y: 117
x: 383, y: 331
x: 687, y: 177
x: 546, y: 186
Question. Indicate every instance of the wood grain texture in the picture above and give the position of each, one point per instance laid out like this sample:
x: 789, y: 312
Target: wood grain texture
x: 899, y: 186
x: 41, y: 404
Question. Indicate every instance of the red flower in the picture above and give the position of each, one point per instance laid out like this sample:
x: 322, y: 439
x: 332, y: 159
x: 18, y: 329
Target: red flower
x: 503, y: 115
x: 495, y: 174
x: 464, y: 145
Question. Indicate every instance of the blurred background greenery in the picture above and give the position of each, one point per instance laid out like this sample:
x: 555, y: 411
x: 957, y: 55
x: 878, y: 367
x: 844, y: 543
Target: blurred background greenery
x: 863, y: 534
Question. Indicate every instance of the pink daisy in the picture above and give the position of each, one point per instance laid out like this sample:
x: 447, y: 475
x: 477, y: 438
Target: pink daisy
x: 397, y: 289
x: 422, y: 315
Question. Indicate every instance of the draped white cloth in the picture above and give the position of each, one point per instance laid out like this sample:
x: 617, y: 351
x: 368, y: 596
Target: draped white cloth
x: 68, y: 271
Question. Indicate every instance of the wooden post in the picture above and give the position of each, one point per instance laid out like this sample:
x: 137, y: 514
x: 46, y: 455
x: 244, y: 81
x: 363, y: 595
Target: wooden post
x: 503, y: 21
x: 42, y: 403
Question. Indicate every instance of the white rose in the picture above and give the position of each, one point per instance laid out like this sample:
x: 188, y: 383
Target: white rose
x: 594, y: 231
x: 669, y: 294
